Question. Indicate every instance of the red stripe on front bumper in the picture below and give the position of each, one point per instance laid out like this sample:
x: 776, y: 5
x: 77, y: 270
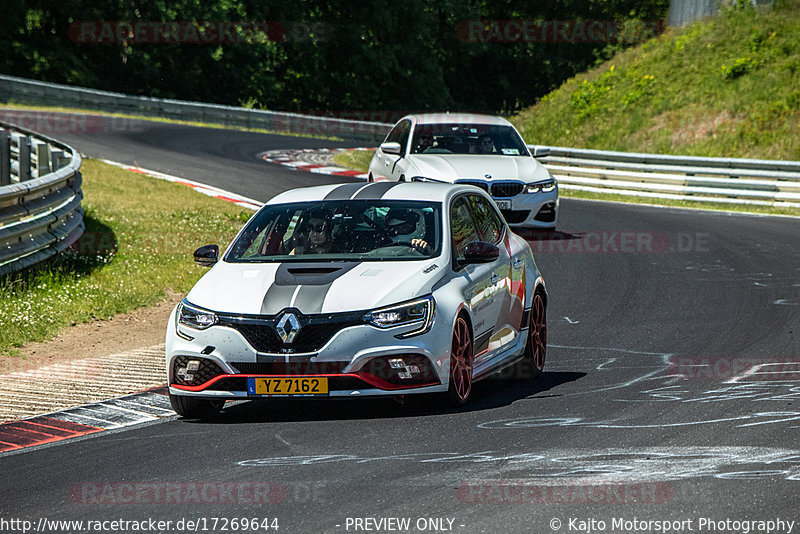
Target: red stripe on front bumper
x: 366, y: 377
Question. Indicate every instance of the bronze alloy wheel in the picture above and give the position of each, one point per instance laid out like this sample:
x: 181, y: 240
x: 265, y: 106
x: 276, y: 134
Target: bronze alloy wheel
x: 536, y: 348
x: 460, y: 364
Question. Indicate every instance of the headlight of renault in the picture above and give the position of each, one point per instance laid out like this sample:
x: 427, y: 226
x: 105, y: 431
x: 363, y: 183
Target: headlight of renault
x: 541, y: 187
x: 417, y: 312
x: 194, y: 317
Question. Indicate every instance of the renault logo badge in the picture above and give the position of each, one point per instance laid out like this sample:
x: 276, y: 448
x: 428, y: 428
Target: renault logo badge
x: 288, y: 327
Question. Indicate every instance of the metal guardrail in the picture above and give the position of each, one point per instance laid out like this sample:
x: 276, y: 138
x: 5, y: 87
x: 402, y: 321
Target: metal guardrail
x: 722, y: 180
x: 24, y: 91
x: 40, y: 198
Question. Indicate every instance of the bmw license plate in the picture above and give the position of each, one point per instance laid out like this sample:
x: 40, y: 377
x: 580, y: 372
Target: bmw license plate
x: 288, y: 386
x: 503, y: 204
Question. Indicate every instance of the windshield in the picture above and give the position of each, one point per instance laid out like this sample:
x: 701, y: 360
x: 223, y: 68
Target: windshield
x: 350, y: 230
x: 460, y: 138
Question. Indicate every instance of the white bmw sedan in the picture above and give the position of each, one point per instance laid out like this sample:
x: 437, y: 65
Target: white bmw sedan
x: 358, y: 290
x: 481, y: 150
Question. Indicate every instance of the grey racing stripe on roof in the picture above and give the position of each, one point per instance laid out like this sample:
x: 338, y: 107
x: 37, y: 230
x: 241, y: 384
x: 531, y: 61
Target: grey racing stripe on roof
x: 375, y: 191
x: 344, y: 192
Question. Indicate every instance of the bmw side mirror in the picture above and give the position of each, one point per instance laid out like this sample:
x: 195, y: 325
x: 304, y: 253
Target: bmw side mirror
x: 207, y: 255
x: 540, y: 151
x: 479, y: 252
x: 391, y: 148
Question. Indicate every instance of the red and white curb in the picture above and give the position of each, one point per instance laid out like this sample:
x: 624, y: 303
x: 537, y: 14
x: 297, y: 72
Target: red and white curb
x: 70, y: 399
x: 208, y: 190
x: 111, y: 414
x: 318, y: 161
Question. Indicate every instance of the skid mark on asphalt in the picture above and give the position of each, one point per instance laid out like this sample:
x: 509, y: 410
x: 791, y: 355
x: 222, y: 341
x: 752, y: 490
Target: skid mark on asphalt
x: 575, y: 465
x: 79, y: 421
x: 627, y: 360
x: 755, y: 419
x: 716, y: 379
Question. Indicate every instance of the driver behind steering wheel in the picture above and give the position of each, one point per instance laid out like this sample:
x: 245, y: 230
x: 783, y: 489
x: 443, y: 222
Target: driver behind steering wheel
x: 402, y: 222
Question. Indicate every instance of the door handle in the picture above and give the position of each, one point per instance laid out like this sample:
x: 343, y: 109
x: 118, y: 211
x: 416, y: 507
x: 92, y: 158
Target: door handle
x: 495, y: 277
x: 518, y: 263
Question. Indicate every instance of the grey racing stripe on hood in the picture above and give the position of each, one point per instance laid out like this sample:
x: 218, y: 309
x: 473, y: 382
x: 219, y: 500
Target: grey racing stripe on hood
x: 303, y: 286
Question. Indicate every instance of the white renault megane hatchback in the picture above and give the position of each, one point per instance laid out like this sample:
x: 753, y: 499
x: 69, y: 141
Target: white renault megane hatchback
x: 481, y: 150
x: 358, y: 290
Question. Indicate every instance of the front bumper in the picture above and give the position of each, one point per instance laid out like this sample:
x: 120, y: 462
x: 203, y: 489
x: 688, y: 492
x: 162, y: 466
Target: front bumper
x: 355, y: 360
x: 522, y: 210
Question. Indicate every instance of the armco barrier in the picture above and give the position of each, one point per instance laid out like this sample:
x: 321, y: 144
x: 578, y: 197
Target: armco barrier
x: 722, y: 180
x: 40, y: 198
x: 31, y: 92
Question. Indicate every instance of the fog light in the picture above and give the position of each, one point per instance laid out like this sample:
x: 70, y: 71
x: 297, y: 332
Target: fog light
x: 192, y: 366
x: 413, y: 369
x: 404, y: 375
x: 397, y: 363
x: 184, y: 375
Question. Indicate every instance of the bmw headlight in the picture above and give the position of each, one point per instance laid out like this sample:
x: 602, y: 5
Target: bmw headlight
x: 194, y: 317
x: 418, y: 312
x: 541, y: 187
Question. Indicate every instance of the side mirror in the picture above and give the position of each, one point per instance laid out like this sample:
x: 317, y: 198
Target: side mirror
x: 540, y: 151
x: 479, y: 252
x: 207, y: 255
x: 391, y: 148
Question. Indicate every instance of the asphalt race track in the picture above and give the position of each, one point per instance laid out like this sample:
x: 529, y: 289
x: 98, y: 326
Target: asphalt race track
x: 670, y: 398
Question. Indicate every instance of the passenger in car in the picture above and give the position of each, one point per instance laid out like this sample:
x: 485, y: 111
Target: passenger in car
x: 485, y: 144
x: 315, y: 236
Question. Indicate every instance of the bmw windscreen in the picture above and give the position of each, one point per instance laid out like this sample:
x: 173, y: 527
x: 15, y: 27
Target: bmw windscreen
x: 459, y: 138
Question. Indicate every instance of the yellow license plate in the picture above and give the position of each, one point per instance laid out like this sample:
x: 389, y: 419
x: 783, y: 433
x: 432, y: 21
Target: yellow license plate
x: 288, y: 386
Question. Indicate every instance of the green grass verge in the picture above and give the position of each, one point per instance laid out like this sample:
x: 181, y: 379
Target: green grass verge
x: 726, y: 87
x: 359, y: 160
x: 11, y: 106
x: 354, y: 159
x: 140, y: 234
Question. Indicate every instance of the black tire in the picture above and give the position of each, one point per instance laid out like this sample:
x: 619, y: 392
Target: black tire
x: 461, y: 353
x: 536, y: 344
x: 194, y: 408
